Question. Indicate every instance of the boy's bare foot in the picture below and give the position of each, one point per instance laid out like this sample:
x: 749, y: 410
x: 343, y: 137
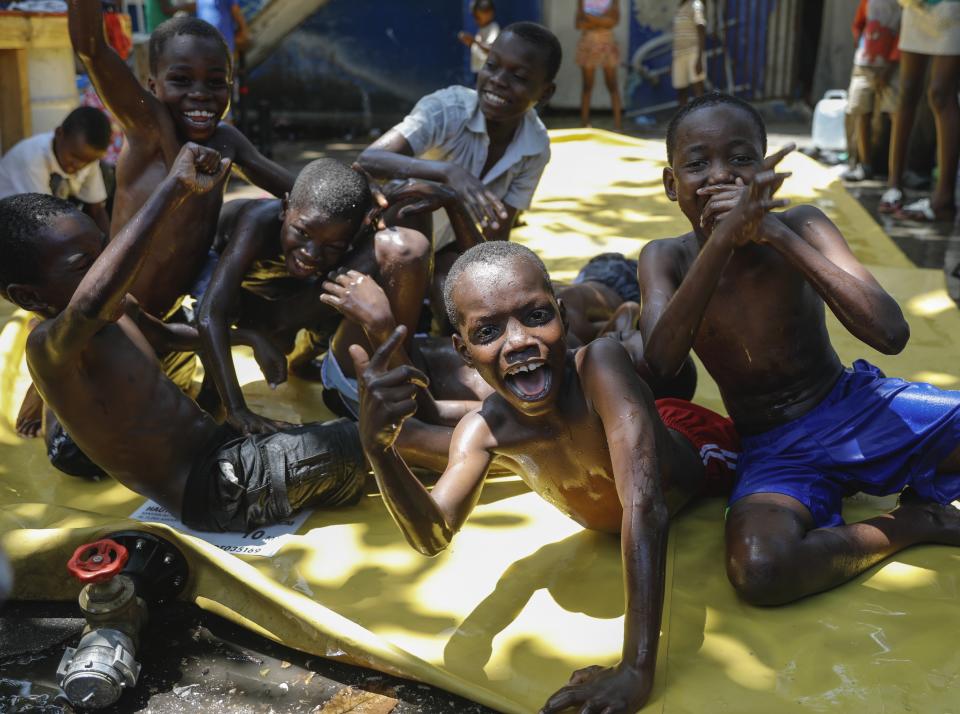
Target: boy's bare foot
x: 937, y: 522
x: 624, y: 319
x: 30, y: 419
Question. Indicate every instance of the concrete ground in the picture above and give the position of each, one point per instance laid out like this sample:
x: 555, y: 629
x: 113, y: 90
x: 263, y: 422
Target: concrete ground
x: 196, y: 662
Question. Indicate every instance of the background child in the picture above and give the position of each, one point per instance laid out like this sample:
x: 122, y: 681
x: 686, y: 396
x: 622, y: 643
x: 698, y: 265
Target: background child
x: 689, y: 45
x: 873, y: 83
x: 63, y: 163
x: 598, y: 48
x: 483, y: 12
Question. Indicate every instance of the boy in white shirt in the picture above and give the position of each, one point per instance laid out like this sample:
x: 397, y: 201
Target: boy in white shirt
x: 64, y: 163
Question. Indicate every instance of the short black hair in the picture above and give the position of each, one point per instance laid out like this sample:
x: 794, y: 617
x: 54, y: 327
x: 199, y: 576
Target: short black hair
x: 90, y: 123
x: 544, y: 39
x: 184, y: 25
x: 497, y: 253
x: 712, y: 99
x: 333, y: 188
x: 22, y: 217
x: 481, y: 5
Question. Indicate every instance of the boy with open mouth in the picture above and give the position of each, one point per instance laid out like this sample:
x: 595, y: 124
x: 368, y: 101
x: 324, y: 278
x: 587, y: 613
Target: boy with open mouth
x: 579, y: 426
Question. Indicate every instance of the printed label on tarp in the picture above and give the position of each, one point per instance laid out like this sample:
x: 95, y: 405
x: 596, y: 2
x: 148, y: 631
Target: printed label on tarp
x: 265, y: 541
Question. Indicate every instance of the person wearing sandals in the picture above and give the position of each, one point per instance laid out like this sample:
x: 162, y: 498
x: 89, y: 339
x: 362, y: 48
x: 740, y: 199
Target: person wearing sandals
x: 929, y: 35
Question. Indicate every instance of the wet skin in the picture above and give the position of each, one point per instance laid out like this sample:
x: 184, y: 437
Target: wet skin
x: 185, y: 101
x: 580, y: 429
x: 512, y: 80
x: 311, y: 245
x: 90, y: 361
x: 746, y: 289
x: 754, y: 308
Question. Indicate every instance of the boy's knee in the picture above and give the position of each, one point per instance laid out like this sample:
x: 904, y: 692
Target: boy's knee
x: 402, y: 248
x: 941, y: 95
x: 760, y: 570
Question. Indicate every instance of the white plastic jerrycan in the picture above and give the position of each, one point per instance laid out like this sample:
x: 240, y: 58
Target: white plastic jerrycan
x: 829, y: 132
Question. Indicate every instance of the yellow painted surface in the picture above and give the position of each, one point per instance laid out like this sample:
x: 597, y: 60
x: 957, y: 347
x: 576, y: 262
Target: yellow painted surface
x: 524, y: 596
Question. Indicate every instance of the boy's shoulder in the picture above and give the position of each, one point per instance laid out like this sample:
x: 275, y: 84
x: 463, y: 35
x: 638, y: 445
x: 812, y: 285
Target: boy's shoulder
x: 676, y: 251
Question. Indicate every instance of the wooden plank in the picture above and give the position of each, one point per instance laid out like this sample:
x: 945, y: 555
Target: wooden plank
x: 41, y: 31
x: 14, y: 98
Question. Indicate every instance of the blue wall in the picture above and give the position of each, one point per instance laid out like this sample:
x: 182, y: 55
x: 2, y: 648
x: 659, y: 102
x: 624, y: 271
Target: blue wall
x: 397, y: 50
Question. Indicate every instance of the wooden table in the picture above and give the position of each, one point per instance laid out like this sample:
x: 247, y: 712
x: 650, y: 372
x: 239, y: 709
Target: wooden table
x: 20, y: 33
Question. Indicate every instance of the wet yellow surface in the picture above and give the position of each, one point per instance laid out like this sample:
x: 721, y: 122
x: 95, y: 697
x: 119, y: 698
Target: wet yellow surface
x: 524, y: 596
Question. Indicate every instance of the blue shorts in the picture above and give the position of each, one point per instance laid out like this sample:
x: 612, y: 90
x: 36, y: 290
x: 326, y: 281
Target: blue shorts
x: 871, y: 433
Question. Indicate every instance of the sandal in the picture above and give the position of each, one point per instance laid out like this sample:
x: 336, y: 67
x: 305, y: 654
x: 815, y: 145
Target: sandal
x: 922, y: 211
x: 891, y: 201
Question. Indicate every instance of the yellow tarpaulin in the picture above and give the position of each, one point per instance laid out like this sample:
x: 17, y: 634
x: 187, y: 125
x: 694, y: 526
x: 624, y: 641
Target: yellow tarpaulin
x: 524, y: 596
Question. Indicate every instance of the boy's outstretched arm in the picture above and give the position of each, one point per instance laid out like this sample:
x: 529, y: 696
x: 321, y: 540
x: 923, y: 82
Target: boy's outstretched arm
x: 387, y: 399
x: 673, y: 306
x: 213, y: 321
x: 391, y: 157
x: 133, y: 106
x: 815, y: 246
x: 99, y: 297
x: 625, y: 406
x: 254, y: 166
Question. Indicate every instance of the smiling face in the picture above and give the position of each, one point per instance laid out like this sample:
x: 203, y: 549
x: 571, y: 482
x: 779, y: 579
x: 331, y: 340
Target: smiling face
x: 511, y: 331
x: 312, y: 243
x: 69, y: 245
x: 513, y: 79
x: 193, y: 80
x: 714, y: 145
x: 73, y: 152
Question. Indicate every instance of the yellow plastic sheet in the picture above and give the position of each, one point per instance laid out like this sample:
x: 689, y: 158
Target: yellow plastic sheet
x: 524, y: 596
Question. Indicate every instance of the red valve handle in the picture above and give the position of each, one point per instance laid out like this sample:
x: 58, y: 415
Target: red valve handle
x: 97, y: 561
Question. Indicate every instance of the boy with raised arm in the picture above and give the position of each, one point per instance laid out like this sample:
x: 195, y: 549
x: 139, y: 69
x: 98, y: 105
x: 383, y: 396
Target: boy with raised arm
x: 746, y: 290
x: 625, y: 470
x: 97, y: 370
x: 187, y: 93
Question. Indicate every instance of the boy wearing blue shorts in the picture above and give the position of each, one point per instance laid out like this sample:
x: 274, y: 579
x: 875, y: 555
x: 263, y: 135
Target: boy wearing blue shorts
x: 746, y: 290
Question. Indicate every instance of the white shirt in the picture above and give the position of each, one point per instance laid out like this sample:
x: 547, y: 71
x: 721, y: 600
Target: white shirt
x: 32, y: 167
x: 686, y: 23
x: 486, y: 35
x: 449, y: 126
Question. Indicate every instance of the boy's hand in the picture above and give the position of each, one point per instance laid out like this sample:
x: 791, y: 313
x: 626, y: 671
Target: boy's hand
x: 272, y: 362
x: 484, y: 206
x: 374, y: 216
x: 248, y: 423
x: 387, y: 397
x: 199, y: 168
x: 610, y: 690
x: 359, y: 298
x: 724, y: 197
x: 419, y: 196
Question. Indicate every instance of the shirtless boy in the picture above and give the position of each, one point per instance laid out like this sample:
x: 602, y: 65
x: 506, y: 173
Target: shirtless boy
x: 487, y: 144
x: 625, y: 471
x: 272, y: 270
x: 746, y: 290
x: 96, y: 370
x: 187, y: 93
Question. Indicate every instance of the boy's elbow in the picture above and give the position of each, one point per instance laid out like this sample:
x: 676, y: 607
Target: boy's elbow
x: 432, y: 543
x: 897, y: 339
